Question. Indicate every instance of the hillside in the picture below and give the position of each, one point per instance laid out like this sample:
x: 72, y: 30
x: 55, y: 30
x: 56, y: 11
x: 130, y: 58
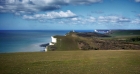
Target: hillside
x: 124, y: 32
x: 66, y: 43
x: 124, y: 40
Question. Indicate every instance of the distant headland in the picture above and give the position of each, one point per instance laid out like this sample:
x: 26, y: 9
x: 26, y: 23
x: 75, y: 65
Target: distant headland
x: 96, y: 40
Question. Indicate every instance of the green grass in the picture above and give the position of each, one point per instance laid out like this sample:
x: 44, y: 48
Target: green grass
x: 70, y: 41
x: 66, y: 43
x: 125, y: 32
x: 71, y: 62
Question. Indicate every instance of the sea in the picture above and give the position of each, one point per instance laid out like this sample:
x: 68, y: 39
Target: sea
x: 12, y: 41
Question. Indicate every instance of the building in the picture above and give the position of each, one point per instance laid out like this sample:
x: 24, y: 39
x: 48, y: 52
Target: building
x: 102, y: 31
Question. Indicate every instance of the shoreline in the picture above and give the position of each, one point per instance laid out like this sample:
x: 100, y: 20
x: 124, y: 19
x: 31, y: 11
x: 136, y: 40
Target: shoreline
x: 42, y: 45
x: 69, y: 51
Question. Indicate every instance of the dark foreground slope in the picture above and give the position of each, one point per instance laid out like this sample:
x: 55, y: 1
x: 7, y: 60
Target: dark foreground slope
x: 72, y: 62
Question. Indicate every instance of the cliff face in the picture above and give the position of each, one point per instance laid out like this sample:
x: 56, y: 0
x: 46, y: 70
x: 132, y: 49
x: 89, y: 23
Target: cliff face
x: 54, y: 40
x: 64, y: 43
x: 93, y: 41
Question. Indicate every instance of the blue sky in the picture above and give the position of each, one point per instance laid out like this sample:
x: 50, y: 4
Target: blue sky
x: 69, y: 14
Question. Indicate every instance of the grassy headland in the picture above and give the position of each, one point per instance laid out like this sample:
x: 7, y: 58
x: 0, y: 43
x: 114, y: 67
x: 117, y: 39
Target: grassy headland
x: 114, y: 40
x: 125, y: 32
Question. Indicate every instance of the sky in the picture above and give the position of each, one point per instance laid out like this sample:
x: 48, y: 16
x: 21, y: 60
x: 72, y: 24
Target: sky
x: 69, y: 14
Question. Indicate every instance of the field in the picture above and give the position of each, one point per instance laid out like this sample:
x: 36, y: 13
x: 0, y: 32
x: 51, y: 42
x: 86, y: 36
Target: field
x: 124, y: 32
x: 71, y: 62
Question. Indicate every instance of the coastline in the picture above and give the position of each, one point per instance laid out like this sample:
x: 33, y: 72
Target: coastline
x: 32, y: 41
x: 25, y: 40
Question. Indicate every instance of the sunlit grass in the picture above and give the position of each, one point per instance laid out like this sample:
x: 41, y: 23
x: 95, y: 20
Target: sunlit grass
x: 72, y: 62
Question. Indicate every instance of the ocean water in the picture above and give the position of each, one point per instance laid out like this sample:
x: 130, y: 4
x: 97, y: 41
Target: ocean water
x: 27, y: 40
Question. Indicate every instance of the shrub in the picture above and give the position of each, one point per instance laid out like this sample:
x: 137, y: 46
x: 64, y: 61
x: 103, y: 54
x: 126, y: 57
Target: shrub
x: 52, y: 47
x: 96, y: 48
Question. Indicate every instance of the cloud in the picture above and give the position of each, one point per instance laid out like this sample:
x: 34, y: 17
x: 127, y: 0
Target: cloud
x: 75, y: 19
x: 1, y: 7
x: 113, y: 19
x: 32, y: 6
x: 51, y: 15
x: 17, y: 13
x: 102, y: 20
x: 124, y: 20
x: 83, y: 1
x: 69, y: 17
x: 27, y: 6
x: 135, y: 21
x: 137, y: 0
x: 61, y: 22
x: 91, y: 19
x: 29, y: 17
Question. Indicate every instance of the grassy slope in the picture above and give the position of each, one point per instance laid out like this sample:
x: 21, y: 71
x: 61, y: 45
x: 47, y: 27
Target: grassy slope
x: 70, y: 42
x: 66, y: 43
x: 125, y: 32
x: 72, y: 62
